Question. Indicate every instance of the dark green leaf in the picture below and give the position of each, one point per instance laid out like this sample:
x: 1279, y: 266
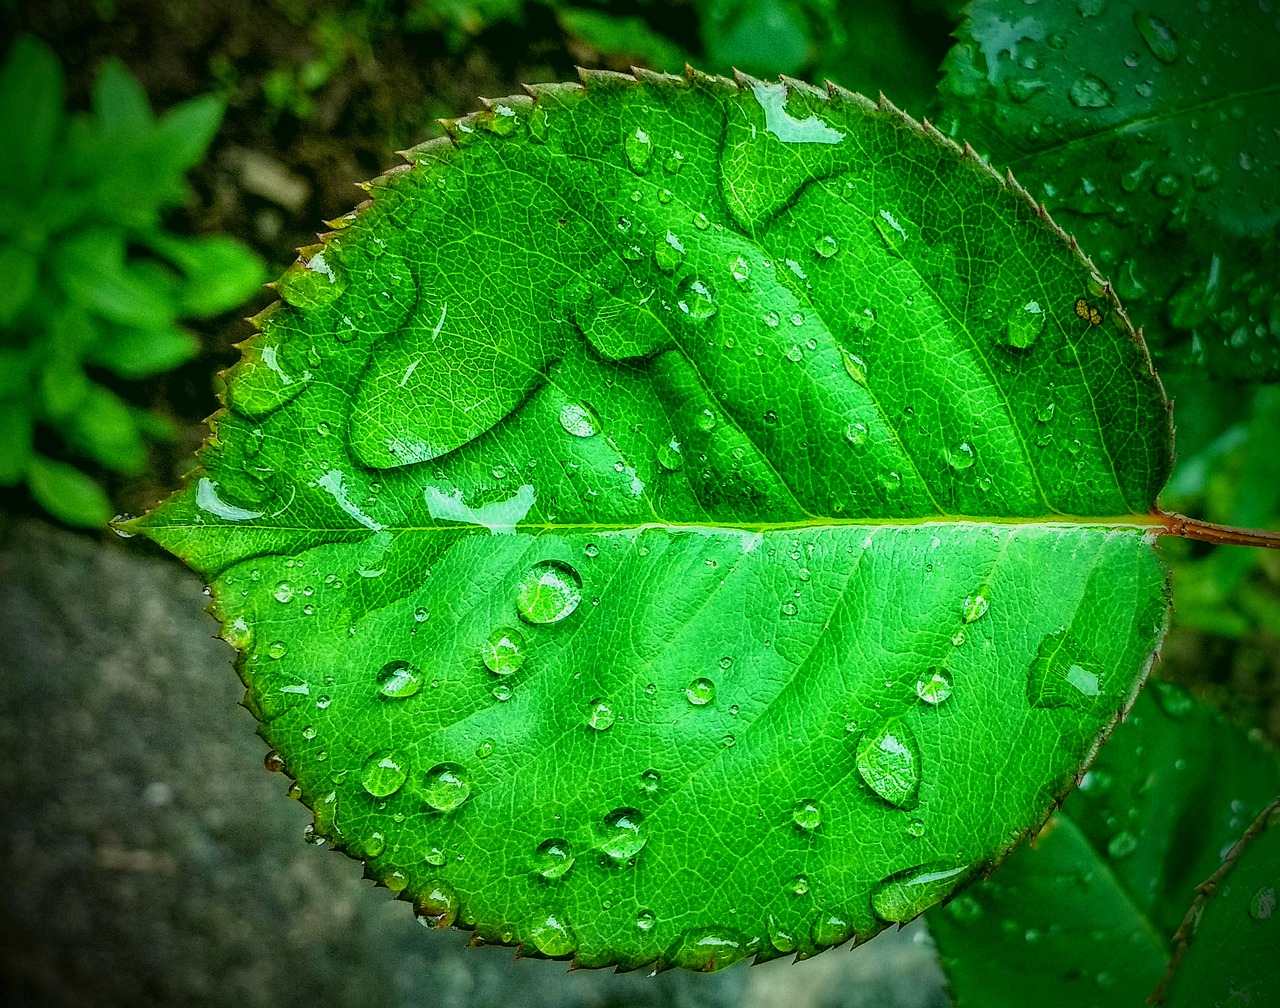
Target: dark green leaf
x: 220, y: 272
x: 1154, y: 133
x: 1228, y: 953
x: 92, y: 271
x: 1086, y: 913
x: 31, y: 88
x: 19, y: 269
x: 185, y: 132
x: 15, y: 441
x: 141, y: 353
x: 122, y: 113
x: 104, y: 429
x: 67, y: 493
x: 681, y: 520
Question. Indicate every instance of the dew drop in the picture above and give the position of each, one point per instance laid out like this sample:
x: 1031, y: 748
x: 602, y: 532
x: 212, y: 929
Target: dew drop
x: 577, y: 420
x: 888, y: 762
x: 645, y: 920
x: 621, y: 834
x: 854, y: 367
x: 668, y: 252
x: 1122, y: 844
x: 669, y: 456
x: 502, y: 121
x: 434, y: 857
x: 398, y: 679
x: 799, y: 885
x: 915, y: 828
x: 639, y: 150
x: 383, y: 773
x: 1024, y: 325
x: 1056, y: 679
x: 502, y: 692
x: 503, y: 652
x: 1023, y: 89
x: 1044, y: 413
x: 771, y: 319
x: 697, y: 300
x: 1263, y: 904
x: 446, y: 786
x: 1090, y: 92
x: 976, y: 605
x: 830, y: 929
x: 548, y: 592
x: 934, y: 686
x: 740, y: 270
x: 855, y: 433
x: 806, y: 815
x: 795, y: 354
x: 485, y: 749
x: 437, y: 904
x: 650, y: 781
x: 701, y: 222
x: 283, y: 593
x: 553, y: 858
x: 788, y: 608
x: 277, y: 649
x: 889, y: 482
x: 906, y: 895
x: 706, y: 950
x: 960, y: 456
x: 700, y: 692
x: 826, y: 246
x: 1159, y: 37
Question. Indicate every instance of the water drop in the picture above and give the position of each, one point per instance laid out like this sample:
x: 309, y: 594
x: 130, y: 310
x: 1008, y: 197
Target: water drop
x: 915, y: 828
x: 1090, y: 92
x: 277, y: 649
x: 1044, y: 413
x: 434, y: 857
x: 1024, y: 325
x: 697, y: 300
x: 665, y: 196
x: 383, y: 773
x: 830, y: 929
x: 1056, y: 679
x: 1159, y: 37
x: 577, y: 420
x: 826, y: 246
x: 669, y: 456
x: 446, y: 786
x: 1023, y: 89
x: 650, y: 781
x: 674, y: 163
x: 645, y: 920
x: 854, y: 367
x: 504, y: 652
x: 740, y: 270
x: 1122, y: 844
x: 701, y: 222
x: 1263, y: 904
x: 437, y: 904
x: 502, y: 121
x: 548, y: 592
x: 889, y: 482
x: 864, y: 320
x: 708, y: 949
x: 283, y: 592
x: 976, y: 605
x: 553, y: 858
x: 788, y: 608
x: 960, y: 456
x: 374, y: 845
x: 621, y: 834
x: 888, y: 762
x: 705, y: 421
x: 398, y: 679
x: 668, y: 252
x: 502, y: 692
x: 906, y: 895
x: 700, y: 692
x: 639, y: 151
x: 600, y: 714
x: 934, y: 686
x: 771, y: 319
x: 855, y: 433
x: 795, y: 354
x: 806, y: 815
x: 797, y: 318
x: 799, y: 885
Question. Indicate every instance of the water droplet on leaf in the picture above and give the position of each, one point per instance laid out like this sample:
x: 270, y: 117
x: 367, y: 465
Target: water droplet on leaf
x: 700, y: 692
x: 383, y: 773
x: 934, y: 686
x: 504, y: 651
x: 908, y: 894
x: 446, y: 786
x: 600, y: 714
x: 622, y: 834
x: 1090, y: 92
x: 639, y: 150
x: 577, y: 420
x: 888, y: 762
x: 548, y: 592
x: 1159, y: 37
x: 806, y: 815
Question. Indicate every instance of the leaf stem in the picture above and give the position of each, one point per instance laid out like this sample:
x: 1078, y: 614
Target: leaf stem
x: 1221, y: 535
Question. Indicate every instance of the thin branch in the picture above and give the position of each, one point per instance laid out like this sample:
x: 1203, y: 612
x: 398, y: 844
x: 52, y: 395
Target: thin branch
x: 1220, y: 535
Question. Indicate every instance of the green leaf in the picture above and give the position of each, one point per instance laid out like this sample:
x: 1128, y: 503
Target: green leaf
x: 67, y: 493
x: 15, y: 441
x: 185, y: 132
x: 141, y: 353
x: 1087, y: 911
x: 1227, y: 943
x: 220, y: 272
x: 683, y: 519
x: 31, y: 89
x: 92, y: 270
x: 756, y: 36
x: 103, y: 428
x: 20, y: 269
x: 1154, y: 131
x: 121, y: 111
x: 629, y: 36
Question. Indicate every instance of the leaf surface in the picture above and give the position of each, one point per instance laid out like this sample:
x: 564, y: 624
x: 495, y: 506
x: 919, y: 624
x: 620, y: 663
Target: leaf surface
x: 682, y: 519
x: 1152, y: 132
x: 1086, y: 913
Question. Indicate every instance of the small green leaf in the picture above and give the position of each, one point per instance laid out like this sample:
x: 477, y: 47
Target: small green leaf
x: 92, y: 271
x: 220, y: 272
x: 31, y: 87
x: 630, y: 36
x: 20, y: 269
x: 807, y: 569
x: 67, y: 493
x: 185, y: 131
x: 1085, y: 912
x: 122, y: 113
x: 140, y: 353
x: 103, y: 428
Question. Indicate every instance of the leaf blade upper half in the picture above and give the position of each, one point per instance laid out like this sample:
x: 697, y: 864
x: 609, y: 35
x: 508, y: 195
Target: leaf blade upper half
x: 680, y: 520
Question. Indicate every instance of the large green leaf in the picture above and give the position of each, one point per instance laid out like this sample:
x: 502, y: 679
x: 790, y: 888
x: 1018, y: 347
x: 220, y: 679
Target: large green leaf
x: 681, y: 519
x: 1152, y: 130
x: 1086, y: 913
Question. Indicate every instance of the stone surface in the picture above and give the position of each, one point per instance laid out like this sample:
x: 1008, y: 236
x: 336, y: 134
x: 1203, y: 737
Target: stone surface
x: 147, y: 858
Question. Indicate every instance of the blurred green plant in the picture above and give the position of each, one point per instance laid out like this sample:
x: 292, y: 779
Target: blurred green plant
x: 94, y: 284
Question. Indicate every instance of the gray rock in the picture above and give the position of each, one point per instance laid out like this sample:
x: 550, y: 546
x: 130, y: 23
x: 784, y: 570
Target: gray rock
x: 147, y: 858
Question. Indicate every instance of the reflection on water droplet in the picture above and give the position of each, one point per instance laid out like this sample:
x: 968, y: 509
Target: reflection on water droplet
x: 383, y: 773
x: 553, y: 858
x: 437, y: 904
x: 906, y: 895
x: 669, y: 456
x: 485, y: 749
x: 668, y: 252
x: 553, y: 937
x: 700, y: 692
x: 960, y: 456
x: 854, y: 367
x: 976, y: 605
x: 600, y: 715
x: 645, y: 920
x: 740, y: 270
x: 915, y: 828
x: 504, y: 651
x: 650, y: 781
x: 826, y: 246
x: 705, y: 950
x: 1056, y: 679
x: 856, y: 433
x: 548, y: 592
x: 434, y: 857
x: 502, y: 692
x: 889, y: 482
x: 1122, y: 844
x: 577, y: 420
x: 888, y: 762
x: 639, y: 150
x: 1159, y: 37
x: 1024, y: 325
x: 806, y: 815
x: 1090, y: 92
x: 446, y: 786
x: 1263, y: 904
x: 277, y: 649
x: 830, y: 929
x: 697, y: 300
x: 621, y: 834
x: 799, y: 885
x: 934, y: 686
